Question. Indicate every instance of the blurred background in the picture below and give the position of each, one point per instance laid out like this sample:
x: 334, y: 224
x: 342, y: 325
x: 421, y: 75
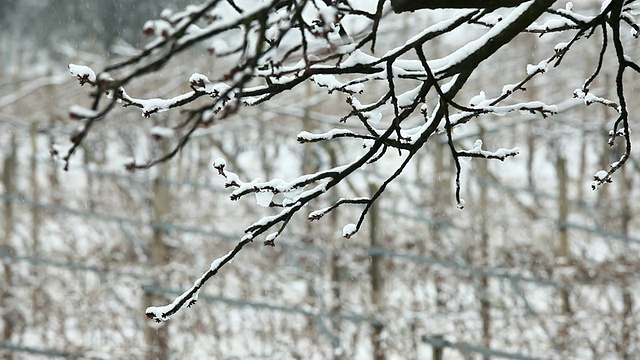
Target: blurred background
x: 537, y: 266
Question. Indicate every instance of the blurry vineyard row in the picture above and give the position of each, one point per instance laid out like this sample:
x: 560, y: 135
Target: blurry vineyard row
x: 536, y: 266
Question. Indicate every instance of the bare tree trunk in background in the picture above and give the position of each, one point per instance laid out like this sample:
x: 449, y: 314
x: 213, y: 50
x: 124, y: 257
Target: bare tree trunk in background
x: 157, y: 339
x: 376, y: 275
x: 8, y: 171
x: 108, y: 10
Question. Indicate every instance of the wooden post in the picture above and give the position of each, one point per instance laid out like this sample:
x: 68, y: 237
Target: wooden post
x: 627, y: 322
x: 8, y: 174
x: 308, y: 164
x: 334, y: 256
x: 376, y: 274
x: 562, y: 252
x: 157, y: 338
x: 485, y: 305
x: 51, y: 113
x: 441, y: 183
x: 90, y: 194
x: 532, y: 94
x: 440, y: 198
x: 35, y: 189
x: 625, y: 190
x: 437, y: 352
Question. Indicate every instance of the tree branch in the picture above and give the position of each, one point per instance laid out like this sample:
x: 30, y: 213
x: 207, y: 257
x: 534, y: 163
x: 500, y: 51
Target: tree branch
x: 413, y: 5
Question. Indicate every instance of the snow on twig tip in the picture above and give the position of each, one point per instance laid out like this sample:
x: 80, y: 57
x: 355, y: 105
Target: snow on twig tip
x: 599, y: 178
x: 349, y: 230
x: 460, y: 204
x: 219, y: 164
x: 83, y: 73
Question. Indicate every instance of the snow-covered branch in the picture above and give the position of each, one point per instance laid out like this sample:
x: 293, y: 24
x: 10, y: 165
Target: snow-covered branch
x: 477, y: 152
x: 275, y: 47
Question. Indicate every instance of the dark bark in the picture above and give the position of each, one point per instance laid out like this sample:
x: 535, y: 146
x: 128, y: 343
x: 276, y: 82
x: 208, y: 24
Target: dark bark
x: 505, y: 36
x: 412, y: 5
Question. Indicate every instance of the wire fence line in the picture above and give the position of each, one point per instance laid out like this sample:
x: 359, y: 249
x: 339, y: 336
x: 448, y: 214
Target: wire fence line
x: 421, y: 259
x: 40, y: 351
x: 439, y: 342
x: 580, y: 203
x: 236, y: 302
x: 615, y: 235
x: 239, y: 302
